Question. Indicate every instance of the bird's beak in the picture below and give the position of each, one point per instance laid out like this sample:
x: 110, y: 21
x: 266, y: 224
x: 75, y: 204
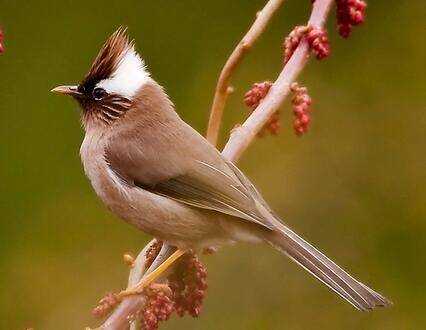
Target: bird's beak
x: 67, y: 90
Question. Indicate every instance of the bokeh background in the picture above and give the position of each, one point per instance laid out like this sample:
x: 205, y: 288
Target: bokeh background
x: 355, y: 185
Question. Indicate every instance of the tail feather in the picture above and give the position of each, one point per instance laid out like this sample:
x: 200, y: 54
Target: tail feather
x: 308, y: 257
x: 325, y: 270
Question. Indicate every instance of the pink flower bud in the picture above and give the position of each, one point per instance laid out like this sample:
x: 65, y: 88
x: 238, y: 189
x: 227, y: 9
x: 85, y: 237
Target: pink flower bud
x: 304, y: 120
x: 317, y: 39
x: 252, y: 99
x: 158, y: 308
x: 345, y: 30
x: 256, y: 94
x: 292, y: 41
x: 1, y: 41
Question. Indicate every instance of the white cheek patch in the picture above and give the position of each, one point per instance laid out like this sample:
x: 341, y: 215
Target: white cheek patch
x: 130, y: 76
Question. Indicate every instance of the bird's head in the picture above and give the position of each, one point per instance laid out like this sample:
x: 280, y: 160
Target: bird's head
x: 114, y: 79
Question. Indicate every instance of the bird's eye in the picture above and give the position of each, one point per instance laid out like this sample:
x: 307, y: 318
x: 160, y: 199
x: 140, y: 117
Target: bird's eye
x: 99, y: 93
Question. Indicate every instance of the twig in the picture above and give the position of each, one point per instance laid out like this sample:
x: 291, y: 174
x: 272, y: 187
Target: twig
x: 242, y: 136
x: 223, y: 87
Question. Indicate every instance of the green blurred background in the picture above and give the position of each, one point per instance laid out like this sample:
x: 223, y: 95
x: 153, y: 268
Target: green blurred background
x: 355, y: 185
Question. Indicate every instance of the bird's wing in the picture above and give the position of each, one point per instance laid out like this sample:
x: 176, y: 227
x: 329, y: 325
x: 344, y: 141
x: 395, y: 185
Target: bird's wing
x: 193, y: 173
x: 225, y: 195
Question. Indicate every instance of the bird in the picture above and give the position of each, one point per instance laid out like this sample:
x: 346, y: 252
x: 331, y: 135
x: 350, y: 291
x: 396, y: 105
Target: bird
x: 159, y: 174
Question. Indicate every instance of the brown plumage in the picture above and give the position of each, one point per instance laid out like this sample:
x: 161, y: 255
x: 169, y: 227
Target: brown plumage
x: 157, y: 173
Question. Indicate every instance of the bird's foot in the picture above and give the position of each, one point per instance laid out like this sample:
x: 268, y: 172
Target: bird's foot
x: 148, y: 289
x: 148, y: 279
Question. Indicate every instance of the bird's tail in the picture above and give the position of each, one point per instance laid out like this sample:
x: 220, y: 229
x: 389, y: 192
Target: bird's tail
x: 325, y: 270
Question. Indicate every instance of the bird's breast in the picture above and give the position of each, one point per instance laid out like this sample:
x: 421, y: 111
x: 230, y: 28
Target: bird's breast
x: 102, y: 178
x: 116, y: 194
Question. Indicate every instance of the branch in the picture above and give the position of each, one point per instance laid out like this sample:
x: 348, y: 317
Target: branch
x: 223, y: 87
x: 242, y: 136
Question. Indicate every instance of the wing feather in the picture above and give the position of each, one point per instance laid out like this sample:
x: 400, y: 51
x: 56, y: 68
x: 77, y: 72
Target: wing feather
x: 225, y: 195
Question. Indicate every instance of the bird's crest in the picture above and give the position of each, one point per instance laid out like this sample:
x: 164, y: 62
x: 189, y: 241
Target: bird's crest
x: 118, y: 68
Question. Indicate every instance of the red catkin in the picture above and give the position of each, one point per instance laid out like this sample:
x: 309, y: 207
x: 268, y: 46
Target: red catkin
x: 252, y: 99
x: 106, y: 305
x: 302, y: 103
x: 317, y: 39
x: 188, y: 284
x: 256, y: 94
x: 185, y: 293
x: 292, y: 41
x: 349, y: 13
x: 158, y: 308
